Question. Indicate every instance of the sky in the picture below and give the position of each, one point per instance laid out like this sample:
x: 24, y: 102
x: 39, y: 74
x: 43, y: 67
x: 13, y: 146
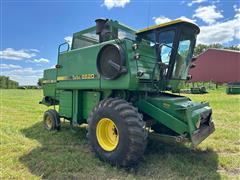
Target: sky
x: 31, y: 30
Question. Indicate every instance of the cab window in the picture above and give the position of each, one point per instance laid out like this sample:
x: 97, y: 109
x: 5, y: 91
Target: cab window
x: 166, y: 38
x: 85, y: 40
x: 183, y: 57
x: 124, y: 34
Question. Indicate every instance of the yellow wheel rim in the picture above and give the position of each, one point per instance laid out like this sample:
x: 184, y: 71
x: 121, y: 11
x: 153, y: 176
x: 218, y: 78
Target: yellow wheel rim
x: 107, y: 134
x: 49, y: 122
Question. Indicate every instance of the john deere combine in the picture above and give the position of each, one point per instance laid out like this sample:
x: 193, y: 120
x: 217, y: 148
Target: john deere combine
x: 119, y: 81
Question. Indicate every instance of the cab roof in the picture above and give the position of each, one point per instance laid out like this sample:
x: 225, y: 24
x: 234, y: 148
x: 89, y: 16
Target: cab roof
x: 177, y: 21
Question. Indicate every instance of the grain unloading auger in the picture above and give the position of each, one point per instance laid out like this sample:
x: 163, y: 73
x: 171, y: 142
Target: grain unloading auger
x: 119, y: 81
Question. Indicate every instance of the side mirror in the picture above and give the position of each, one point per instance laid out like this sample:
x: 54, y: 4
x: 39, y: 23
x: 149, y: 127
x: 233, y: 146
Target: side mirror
x: 192, y: 65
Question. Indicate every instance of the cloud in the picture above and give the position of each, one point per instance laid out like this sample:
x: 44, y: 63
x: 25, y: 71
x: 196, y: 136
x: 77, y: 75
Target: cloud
x: 195, y: 2
x: 41, y: 60
x: 9, y: 66
x: 22, y: 54
x: 215, y: 1
x: 220, y: 32
x: 187, y: 19
x: 69, y: 39
x: 115, y: 3
x: 25, y: 76
x: 214, y: 33
x: 209, y: 14
x: 34, y: 50
x: 235, y: 7
x: 237, y: 10
x: 161, y: 19
x: 10, y: 53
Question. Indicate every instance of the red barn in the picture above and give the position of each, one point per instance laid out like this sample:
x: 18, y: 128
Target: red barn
x: 217, y: 65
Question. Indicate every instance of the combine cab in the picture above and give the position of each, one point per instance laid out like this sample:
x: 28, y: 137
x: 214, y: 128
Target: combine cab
x: 119, y: 81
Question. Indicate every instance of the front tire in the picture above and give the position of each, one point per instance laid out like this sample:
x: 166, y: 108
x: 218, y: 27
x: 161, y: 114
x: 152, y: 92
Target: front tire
x: 117, y: 132
x: 51, y: 120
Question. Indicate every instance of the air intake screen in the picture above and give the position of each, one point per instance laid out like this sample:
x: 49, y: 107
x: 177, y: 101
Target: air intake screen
x: 111, y: 61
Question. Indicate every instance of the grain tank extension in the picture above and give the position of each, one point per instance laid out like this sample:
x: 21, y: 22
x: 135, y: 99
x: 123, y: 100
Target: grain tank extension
x: 121, y: 82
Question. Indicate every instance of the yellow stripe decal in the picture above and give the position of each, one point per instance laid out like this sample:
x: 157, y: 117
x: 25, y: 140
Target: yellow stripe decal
x: 48, y: 81
x: 62, y: 78
x: 77, y: 77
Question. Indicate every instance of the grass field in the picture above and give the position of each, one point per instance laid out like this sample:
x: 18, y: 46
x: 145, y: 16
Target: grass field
x: 30, y: 152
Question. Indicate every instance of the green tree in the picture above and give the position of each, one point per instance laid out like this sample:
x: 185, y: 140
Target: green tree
x: 200, y: 48
x: 7, y: 83
x: 40, y: 80
x: 235, y: 48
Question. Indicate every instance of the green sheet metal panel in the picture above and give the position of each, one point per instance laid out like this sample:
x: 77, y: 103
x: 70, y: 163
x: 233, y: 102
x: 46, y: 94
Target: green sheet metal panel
x: 78, y: 63
x: 77, y: 117
x: 49, y: 89
x: 65, y: 106
x: 89, y: 100
x: 49, y: 82
x: 78, y: 69
x: 162, y: 117
x: 171, y: 105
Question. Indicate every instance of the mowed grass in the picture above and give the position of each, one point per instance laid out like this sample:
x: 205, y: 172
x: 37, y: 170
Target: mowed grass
x: 30, y: 152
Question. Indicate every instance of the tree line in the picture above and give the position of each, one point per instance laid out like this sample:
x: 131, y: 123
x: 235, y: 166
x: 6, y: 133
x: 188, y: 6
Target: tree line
x: 7, y: 83
x: 200, y: 48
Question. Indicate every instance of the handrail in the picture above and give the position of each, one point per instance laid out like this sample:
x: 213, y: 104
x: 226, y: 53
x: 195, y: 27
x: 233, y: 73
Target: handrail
x: 59, y: 47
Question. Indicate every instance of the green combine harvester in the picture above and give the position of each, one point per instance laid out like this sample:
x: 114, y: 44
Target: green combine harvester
x: 120, y: 81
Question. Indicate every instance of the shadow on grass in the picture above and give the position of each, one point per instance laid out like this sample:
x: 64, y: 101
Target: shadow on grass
x: 67, y: 155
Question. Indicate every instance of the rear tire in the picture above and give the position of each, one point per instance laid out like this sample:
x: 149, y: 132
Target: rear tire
x: 128, y: 142
x: 51, y: 120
